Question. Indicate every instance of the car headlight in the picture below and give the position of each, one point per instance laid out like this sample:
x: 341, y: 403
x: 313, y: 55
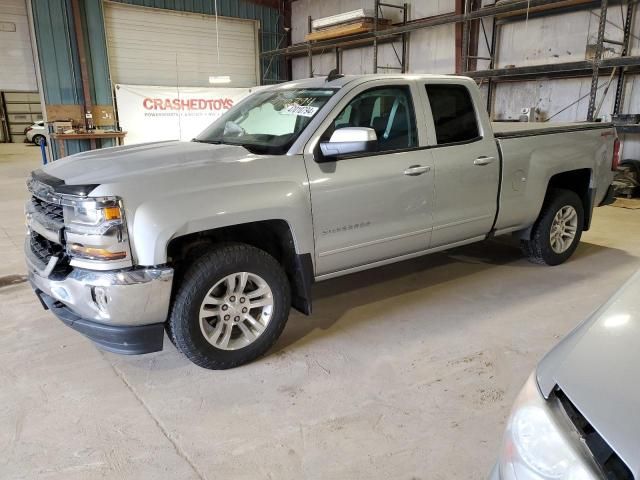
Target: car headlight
x: 537, y: 444
x: 96, y: 231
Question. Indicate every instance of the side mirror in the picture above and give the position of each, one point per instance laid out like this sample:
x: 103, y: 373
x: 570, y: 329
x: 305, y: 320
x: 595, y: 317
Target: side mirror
x: 347, y: 141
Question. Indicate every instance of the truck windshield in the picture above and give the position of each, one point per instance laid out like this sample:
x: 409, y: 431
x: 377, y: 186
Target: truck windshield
x: 268, y: 122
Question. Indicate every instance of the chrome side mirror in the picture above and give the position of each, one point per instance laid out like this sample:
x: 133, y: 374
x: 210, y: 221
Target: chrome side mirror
x: 348, y: 141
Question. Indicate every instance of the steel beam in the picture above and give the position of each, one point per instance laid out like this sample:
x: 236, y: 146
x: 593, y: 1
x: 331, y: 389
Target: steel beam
x: 465, y: 37
x: 596, y: 60
x: 619, y: 98
x: 583, y: 67
x: 375, y: 38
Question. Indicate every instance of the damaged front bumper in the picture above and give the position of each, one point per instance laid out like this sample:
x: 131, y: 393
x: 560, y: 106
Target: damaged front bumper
x: 121, y: 311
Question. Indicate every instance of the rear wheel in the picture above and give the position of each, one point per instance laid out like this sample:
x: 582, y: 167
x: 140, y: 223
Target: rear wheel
x: 38, y: 139
x: 231, y: 307
x: 556, y: 233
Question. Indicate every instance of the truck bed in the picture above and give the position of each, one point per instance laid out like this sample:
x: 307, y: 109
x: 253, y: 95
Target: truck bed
x: 532, y: 153
x: 521, y: 129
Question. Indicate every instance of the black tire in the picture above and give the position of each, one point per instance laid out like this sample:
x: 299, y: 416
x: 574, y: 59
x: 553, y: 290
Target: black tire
x: 183, y: 326
x: 633, y: 165
x: 38, y: 139
x: 538, y: 248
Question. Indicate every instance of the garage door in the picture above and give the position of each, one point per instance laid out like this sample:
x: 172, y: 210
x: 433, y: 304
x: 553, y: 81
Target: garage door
x: 16, y: 59
x: 22, y: 110
x: 149, y: 46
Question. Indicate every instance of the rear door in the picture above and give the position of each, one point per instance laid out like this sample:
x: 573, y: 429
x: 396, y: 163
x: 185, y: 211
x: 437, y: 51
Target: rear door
x: 377, y: 205
x: 466, y: 163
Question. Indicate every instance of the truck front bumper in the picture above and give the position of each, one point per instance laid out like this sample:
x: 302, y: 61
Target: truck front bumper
x: 121, y: 311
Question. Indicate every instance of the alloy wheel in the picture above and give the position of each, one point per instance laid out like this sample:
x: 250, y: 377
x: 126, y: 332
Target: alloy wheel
x: 236, y: 311
x: 563, y: 229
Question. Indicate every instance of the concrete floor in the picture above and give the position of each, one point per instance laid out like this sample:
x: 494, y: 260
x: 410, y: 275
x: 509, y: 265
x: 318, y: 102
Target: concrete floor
x: 406, y: 371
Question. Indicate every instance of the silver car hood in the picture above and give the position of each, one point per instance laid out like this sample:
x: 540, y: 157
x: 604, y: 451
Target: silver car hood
x: 110, y: 165
x: 597, y: 367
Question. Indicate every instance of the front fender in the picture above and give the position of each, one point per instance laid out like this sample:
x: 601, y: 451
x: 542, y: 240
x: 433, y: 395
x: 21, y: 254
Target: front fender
x: 157, y: 222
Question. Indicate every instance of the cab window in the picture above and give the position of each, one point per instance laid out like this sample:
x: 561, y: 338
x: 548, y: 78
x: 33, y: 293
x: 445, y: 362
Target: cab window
x: 454, y: 115
x: 388, y: 110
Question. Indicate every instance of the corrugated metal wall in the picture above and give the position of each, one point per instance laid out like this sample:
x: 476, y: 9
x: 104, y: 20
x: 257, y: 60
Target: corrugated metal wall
x: 432, y: 52
x: 59, y: 63
x: 538, y: 40
x: 58, y: 52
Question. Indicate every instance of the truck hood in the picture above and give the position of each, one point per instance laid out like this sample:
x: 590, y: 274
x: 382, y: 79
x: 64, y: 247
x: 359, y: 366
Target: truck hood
x: 596, y: 366
x: 110, y: 165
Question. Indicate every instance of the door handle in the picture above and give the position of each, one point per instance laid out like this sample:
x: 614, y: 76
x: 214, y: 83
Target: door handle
x: 415, y: 170
x: 483, y: 160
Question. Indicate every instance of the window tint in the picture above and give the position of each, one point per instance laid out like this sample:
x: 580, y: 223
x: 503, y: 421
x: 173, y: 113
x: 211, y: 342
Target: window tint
x: 453, y: 113
x: 388, y: 110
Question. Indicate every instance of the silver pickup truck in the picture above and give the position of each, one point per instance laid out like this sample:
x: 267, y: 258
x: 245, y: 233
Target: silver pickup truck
x: 214, y: 239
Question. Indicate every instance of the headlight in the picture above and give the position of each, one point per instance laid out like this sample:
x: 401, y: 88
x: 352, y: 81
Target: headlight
x: 96, y: 231
x: 537, y: 445
x: 93, y: 216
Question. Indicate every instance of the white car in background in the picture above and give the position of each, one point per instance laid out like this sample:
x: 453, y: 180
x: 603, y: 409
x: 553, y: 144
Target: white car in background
x: 36, y: 133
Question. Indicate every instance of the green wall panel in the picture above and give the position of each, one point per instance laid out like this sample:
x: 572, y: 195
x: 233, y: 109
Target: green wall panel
x: 97, y: 47
x: 59, y: 62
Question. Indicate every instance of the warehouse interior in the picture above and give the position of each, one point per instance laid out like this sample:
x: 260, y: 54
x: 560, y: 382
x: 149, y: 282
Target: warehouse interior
x: 406, y: 370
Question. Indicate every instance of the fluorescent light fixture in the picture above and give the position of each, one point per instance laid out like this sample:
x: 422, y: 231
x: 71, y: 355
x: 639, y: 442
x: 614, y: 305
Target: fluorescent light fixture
x: 346, y: 17
x: 220, y: 79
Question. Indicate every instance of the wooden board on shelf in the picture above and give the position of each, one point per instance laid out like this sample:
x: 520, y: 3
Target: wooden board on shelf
x: 103, y: 115
x: 87, y: 135
x: 65, y: 112
x: 361, y: 26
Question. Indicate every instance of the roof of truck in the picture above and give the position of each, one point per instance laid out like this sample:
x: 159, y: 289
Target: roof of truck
x: 321, y: 82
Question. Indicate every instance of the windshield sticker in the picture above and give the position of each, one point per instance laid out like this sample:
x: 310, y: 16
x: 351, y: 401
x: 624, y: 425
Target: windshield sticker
x: 301, y: 110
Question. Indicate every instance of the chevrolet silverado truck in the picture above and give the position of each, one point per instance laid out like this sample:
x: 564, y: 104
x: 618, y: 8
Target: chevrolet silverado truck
x: 215, y: 239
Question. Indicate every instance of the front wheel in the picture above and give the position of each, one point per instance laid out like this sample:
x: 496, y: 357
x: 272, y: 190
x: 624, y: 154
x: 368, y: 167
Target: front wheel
x: 230, y: 308
x: 556, y: 233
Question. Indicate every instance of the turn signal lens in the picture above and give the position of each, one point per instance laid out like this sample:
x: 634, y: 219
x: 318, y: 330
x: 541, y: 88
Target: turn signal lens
x: 92, y: 253
x: 112, y: 213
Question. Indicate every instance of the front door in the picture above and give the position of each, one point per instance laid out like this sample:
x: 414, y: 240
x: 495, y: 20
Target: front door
x: 374, y: 206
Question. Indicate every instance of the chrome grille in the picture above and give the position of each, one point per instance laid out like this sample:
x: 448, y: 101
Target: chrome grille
x: 43, y: 248
x: 51, y: 211
x: 611, y: 465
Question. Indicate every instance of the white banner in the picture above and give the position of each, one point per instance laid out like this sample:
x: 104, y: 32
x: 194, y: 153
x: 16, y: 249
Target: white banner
x: 150, y: 114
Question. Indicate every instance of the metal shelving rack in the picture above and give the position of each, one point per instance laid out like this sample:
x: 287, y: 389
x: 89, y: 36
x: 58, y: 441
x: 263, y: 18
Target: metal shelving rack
x: 353, y: 41
x: 593, y: 67
x: 499, y: 14
x: 402, y: 60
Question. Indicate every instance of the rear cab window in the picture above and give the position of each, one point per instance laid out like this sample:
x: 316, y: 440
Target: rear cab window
x: 454, y: 114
